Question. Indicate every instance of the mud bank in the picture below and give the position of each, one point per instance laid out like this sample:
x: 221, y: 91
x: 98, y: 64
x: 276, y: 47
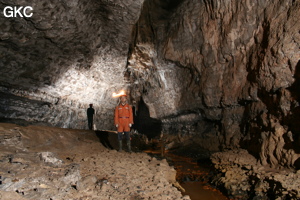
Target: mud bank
x: 51, y: 163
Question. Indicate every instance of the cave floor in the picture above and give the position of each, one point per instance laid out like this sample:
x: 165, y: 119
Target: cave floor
x: 39, y: 162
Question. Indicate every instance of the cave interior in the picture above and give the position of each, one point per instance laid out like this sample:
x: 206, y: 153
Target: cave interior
x: 223, y: 76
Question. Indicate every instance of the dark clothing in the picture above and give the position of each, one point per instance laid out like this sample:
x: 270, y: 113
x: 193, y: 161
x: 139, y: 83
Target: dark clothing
x: 90, y: 123
x: 127, y: 135
x: 90, y: 114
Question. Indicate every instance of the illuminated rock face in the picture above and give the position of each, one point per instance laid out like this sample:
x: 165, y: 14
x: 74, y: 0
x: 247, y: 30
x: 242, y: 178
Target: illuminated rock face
x: 221, y: 71
x: 67, y: 55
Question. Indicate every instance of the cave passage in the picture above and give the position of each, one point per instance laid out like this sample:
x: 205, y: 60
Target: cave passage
x: 215, y: 79
x: 144, y: 123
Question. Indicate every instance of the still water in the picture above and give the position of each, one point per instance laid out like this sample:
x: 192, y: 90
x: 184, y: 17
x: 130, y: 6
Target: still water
x: 192, y: 176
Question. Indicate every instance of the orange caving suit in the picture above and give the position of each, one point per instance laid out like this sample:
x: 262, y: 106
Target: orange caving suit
x: 123, y: 117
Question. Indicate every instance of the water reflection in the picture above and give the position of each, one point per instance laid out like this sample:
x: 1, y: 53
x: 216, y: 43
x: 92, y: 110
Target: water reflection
x: 192, y: 176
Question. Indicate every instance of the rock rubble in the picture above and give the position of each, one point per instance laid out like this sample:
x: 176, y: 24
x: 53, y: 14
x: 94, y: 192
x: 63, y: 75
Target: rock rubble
x: 53, y: 163
x: 243, y: 177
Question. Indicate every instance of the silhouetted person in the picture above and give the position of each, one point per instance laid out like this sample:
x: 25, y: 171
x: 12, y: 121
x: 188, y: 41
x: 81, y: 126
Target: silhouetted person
x: 90, y: 115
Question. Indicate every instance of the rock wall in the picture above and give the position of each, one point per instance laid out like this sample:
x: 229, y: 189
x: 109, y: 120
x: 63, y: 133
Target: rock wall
x: 68, y: 54
x: 233, y: 64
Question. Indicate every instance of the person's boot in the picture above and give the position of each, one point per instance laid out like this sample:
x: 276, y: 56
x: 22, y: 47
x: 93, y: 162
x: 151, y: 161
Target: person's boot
x: 129, y: 146
x: 120, y: 145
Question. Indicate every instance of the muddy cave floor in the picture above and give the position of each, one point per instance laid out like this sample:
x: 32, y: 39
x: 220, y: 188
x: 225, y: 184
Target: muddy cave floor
x: 40, y: 162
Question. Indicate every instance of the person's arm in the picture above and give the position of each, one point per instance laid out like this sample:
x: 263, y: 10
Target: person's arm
x: 116, y: 116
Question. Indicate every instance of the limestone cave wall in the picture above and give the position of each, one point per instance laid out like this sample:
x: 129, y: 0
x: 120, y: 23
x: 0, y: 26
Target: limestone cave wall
x: 67, y: 55
x: 224, y: 73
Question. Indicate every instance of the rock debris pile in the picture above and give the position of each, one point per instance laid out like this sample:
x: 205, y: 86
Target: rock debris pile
x: 244, y: 177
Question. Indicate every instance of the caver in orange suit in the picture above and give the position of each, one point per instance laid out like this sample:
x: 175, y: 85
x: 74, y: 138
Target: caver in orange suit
x: 123, y: 121
x: 123, y: 117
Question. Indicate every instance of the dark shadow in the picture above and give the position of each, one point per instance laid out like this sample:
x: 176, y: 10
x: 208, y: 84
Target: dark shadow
x: 169, y: 5
x: 20, y: 122
x: 105, y: 139
x: 134, y: 115
x: 12, y: 105
x: 253, y: 144
x: 293, y: 119
x: 145, y: 124
x: 109, y: 140
x: 297, y: 164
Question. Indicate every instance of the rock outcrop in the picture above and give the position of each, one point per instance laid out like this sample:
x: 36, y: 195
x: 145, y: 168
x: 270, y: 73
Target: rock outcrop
x: 244, y: 177
x: 233, y: 66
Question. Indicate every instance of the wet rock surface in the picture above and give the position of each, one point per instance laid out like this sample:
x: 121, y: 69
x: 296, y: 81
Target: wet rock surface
x: 52, y: 163
x: 243, y: 177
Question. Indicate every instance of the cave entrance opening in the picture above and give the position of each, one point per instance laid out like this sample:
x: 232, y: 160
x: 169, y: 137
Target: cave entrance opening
x: 144, y: 123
